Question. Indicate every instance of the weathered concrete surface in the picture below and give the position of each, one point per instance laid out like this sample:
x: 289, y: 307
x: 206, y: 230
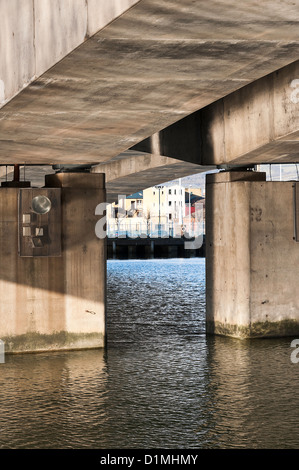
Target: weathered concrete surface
x: 252, y: 258
x: 257, y: 124
x: 157, y: 63
x: 125, y: 174
x: 35, y: 35
x: 132, y: 171
x: 56, y: 302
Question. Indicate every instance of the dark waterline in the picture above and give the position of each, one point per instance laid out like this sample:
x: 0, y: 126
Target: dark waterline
x: 161, y: 383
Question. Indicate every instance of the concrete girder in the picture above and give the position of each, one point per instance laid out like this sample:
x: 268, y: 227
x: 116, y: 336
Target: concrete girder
x: 35, y: 35
x: 155, y: 64
x: 252, y: 255
x: 257, y: 124
x: 132, y: 171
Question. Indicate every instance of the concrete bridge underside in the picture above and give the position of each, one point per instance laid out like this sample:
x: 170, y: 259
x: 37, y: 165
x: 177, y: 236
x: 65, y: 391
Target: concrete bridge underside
x: 144, y: 92
x: 90, y: 96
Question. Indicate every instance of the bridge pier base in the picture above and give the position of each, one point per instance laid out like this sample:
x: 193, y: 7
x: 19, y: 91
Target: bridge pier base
x: 252, y: 256
x: 55, y: 302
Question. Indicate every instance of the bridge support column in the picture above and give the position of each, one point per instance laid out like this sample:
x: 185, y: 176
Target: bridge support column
x: 252, y: 256
x: 55, y: 302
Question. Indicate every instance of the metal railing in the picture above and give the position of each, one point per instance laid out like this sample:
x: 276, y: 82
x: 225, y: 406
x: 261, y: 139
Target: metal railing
x: 134, y: 228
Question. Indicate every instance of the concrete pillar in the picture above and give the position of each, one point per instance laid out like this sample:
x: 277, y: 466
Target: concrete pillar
x: 252, y: 257
x: 53, y: 303
x: 147, y: 250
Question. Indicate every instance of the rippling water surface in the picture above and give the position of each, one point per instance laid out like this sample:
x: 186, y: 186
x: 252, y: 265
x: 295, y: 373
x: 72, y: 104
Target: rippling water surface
x: 161, y: 383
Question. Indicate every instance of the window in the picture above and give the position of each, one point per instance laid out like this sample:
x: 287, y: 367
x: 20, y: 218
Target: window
x: 175, y: 191
x: 169, y: 203
x: 169, y: 191
x: 170, y: 216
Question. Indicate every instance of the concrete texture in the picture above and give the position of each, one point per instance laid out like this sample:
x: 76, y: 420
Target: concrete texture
x: 257, y: 124
x: 152, y: 66
x: 17, y: 63
x: 252, y: 257
x: 55, y: 302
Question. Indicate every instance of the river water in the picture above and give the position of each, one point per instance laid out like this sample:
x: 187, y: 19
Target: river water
x: 161, y: 383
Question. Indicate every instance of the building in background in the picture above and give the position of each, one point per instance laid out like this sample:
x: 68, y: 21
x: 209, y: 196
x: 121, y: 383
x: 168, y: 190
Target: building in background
x: 163, y: 211
x: 163, y: 204
x: 134, y: 204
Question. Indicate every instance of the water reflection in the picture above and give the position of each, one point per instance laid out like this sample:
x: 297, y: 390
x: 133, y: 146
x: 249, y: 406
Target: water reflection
x: 51, y: 400
x: 161, y: 383
x: 253, y: 399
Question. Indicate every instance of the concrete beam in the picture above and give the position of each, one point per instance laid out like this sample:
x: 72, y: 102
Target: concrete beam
x: 35, y: 35
x: 257, y: 124
x: 252, y: 256
x: 154, y: 65
x: 125, y: 174
x: 133, y: 171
